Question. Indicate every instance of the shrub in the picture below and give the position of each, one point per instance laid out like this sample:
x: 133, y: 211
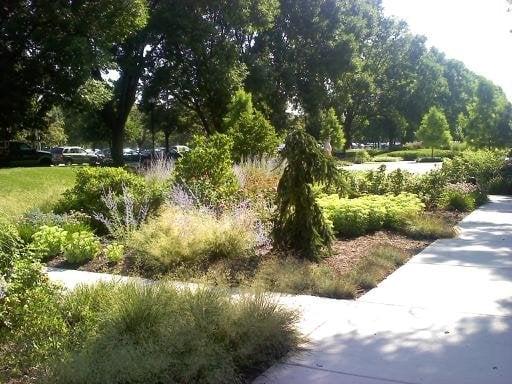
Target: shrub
x: 154, y: 333
x: 48, y: 242
x: 385, y: 159
x: 461, y: 197
x: 114, y: 252
x: 136, y: 333
x: 354, y: 217
x: 11, y: 246
x: 193, y: 236
x: 207, y: 170
x: 429, y: 160
x: 361, y: 156
x: 480, y: 165
x: 31, y: 326
x: 81, y: 247
x: 92, y: 183
x: 32, y: 221
x: 123, y: 214
x: 253, y: 135
x: 410, y: 155
x: 258, y: 178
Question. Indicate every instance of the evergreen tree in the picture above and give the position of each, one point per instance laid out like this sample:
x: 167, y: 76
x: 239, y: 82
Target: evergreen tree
x: 300, y: 225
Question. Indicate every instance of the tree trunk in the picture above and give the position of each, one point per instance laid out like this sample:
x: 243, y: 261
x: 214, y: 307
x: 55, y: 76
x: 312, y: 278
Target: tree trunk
x: 328, y: 146
x: 347, y: 128
x: 432, y: 152
x: 131, y: 67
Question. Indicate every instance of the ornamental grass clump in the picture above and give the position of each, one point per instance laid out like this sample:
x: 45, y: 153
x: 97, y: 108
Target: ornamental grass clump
x: 193, y: 236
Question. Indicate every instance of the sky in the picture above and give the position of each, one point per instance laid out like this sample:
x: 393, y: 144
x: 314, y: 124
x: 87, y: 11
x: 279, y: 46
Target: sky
x: 476, y: 32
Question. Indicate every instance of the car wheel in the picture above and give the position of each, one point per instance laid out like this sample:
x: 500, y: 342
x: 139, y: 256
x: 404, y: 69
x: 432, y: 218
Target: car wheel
x: 68, y: 161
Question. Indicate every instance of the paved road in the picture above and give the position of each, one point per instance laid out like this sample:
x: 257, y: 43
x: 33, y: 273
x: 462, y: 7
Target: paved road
x: 443, y: 318
x: 411, y: 166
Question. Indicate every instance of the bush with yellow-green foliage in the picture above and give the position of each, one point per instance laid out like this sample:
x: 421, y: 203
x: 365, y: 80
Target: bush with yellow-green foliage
x: 355, y: 217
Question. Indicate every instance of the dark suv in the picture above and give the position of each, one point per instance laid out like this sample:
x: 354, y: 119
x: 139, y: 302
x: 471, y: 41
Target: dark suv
x: 17, y: 153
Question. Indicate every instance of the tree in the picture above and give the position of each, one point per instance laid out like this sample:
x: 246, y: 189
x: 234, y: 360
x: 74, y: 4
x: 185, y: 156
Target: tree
x: 434, y: 130
x: 252, y: 133
x: 300, y: 224
x: 331, y: 131
x: 484, y: 116
x: 49, y: 48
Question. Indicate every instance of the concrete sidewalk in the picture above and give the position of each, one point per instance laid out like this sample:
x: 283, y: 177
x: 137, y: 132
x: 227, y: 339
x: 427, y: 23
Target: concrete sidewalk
x: 443, y: 318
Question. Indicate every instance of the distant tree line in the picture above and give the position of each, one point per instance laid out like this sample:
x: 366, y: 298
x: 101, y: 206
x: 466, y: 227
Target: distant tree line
x: 126, y: 70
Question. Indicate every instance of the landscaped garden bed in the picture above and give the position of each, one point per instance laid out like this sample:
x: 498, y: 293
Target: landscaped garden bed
x: 213, y: 224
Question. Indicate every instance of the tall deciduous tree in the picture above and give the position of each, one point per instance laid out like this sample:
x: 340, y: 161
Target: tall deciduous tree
x: 48, y: 49
x: 484, y: 116
x: 434, y: 130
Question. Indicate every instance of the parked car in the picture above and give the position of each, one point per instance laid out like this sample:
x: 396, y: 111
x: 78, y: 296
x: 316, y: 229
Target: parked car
x: 18, y: 153
x: 74, y: 155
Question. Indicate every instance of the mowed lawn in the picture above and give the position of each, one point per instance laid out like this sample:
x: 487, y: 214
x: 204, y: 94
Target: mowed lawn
x: 22, y: 189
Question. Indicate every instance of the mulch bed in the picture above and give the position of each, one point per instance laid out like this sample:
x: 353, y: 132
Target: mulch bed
x: 346, y: 253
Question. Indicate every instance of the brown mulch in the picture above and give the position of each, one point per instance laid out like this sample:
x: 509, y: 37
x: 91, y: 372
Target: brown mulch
x: 346, y: 253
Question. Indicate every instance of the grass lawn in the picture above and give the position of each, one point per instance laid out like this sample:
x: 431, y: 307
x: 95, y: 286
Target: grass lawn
x: 22, y: 189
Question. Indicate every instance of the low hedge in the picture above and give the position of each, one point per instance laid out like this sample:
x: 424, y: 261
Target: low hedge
x: 413, y: 154
x: 355, y: 217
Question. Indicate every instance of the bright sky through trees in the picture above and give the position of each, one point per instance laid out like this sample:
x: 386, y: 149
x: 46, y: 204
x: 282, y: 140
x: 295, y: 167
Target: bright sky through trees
x: 476, y: 32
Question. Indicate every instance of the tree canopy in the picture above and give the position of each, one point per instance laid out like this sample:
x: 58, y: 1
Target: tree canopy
x: 101, y: 60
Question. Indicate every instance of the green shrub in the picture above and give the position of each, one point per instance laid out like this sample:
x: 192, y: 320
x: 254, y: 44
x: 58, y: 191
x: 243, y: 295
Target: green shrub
x: 32, y: 221
x: 93, y: 183
x: 462, y: 197
x: 481, y: 165
x: 355, y: 217
x: 81, y: 247
x: 429, y: 160
x: 207, y: 170
x: 48, y: 242
x: 154, y: 333
x: 361, y: 156
x: 410, y: 155
x: 192, y: 237
x: 11, y: 246
x: 385, y: 159
x: 31, y: 326
x: 114, y: 252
